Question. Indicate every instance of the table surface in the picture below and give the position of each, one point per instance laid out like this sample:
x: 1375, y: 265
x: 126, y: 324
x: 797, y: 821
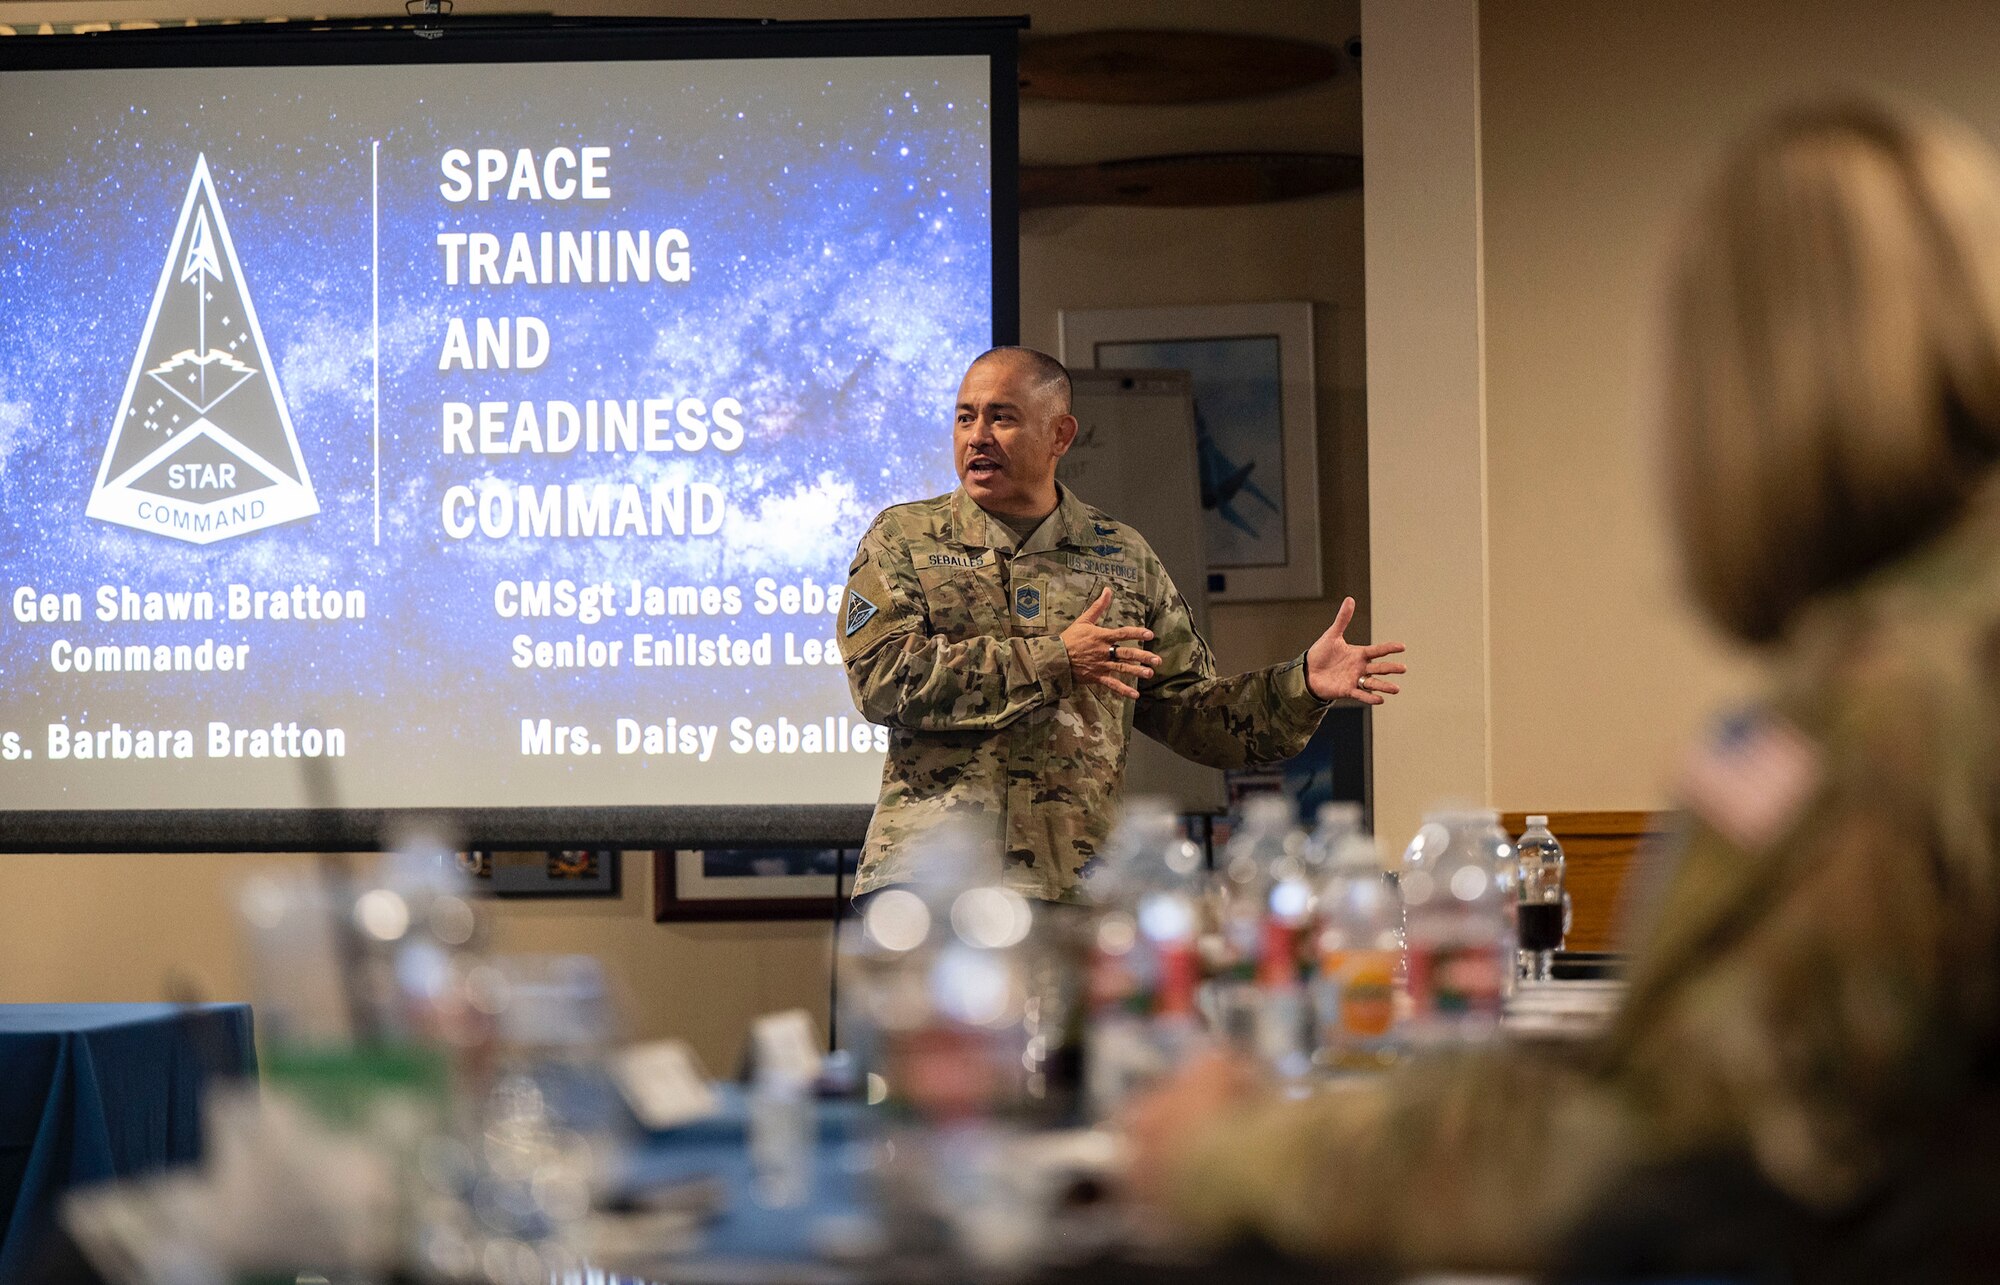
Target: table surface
x: 743, y: 1232
x: 52, y: 1019
x: 90, y: 1092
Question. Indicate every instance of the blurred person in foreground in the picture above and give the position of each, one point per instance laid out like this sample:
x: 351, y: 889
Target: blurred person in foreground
x: 1805, y: 1077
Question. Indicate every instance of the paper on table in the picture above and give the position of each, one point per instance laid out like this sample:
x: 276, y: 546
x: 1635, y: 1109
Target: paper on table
x: 664, y: 1084
x: 784, y: 1047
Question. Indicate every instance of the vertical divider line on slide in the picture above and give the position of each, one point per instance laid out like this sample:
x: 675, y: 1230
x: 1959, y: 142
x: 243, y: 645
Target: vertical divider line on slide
x: 375, y: 285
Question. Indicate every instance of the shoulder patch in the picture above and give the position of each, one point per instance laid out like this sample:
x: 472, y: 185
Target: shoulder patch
x: 866, y: 613
x: 1752, y: 778
x: 859, y: 612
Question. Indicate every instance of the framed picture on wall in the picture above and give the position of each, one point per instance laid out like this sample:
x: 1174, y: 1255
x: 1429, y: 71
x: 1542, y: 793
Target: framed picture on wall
x: 552, y: 872
x: 750, y: 883
x: 1256, y: 429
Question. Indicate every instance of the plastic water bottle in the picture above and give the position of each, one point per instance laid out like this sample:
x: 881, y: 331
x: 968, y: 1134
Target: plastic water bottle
x: 1499, y: 846
x: 1359, y: 945
x: 1238, y: 945
x: 1331, y: 824
x: 1543, y: 904
x: 782, y: 1129
x: 1144, y: 963
x: 1459, y: 925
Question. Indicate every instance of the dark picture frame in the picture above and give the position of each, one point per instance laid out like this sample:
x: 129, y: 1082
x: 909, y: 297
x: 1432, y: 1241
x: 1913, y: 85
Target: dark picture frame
x: 549, y: 872
x: 750, y: 883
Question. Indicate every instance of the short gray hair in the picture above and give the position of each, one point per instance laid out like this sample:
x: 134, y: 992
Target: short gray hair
x: 1049, y: 373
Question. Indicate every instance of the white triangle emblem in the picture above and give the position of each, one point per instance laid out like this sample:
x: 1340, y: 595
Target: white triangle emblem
x: 203, y: 447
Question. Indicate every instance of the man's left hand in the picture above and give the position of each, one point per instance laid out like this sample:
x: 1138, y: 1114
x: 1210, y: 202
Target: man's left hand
x: 1336, y: 668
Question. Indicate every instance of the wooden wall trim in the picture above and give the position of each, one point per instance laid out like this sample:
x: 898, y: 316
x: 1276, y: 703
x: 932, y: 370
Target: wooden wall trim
x: 1601, y: 851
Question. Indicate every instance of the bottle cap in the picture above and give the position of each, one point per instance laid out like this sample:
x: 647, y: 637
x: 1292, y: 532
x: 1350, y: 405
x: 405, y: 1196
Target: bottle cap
x: 1342, y: 812
x: 1271, y: 810
x: 1357, y: 850
x: 1541, y: 821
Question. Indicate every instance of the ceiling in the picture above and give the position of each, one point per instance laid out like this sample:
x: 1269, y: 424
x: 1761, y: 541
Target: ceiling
x: 1326, y: 117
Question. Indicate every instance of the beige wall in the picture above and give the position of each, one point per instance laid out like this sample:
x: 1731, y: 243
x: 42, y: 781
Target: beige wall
x: 113, y: 927
x: 1426, y: 424
x: 102, y: 927
x: 1599, y: 121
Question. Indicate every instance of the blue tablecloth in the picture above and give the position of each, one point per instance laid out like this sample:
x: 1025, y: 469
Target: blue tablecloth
x: 96, y: 1091
x: 718, y: 1149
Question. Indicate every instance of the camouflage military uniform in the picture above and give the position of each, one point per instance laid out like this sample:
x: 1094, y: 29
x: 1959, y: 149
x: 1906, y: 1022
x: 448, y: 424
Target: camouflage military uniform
x: 1816, y: 999
x: 952, y: 638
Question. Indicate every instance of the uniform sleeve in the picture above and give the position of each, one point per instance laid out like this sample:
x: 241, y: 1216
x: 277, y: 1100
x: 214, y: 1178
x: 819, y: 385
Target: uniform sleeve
x: 1813, y: 996
x: 902, y: 675
x: 1258, y: 717
x: 1476, y: 1162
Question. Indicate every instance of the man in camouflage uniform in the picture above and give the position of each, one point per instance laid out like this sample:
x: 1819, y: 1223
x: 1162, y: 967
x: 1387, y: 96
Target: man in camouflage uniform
x: 997, y: 632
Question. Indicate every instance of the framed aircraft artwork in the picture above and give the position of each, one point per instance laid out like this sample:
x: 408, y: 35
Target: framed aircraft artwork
x: 1255, y: 429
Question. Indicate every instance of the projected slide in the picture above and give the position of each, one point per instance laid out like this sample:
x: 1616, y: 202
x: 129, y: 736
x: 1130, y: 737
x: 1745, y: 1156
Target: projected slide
x: 496, y: 435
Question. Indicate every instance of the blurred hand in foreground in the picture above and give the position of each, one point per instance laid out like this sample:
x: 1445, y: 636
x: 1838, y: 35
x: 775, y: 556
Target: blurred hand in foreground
x: 1162, y: 1123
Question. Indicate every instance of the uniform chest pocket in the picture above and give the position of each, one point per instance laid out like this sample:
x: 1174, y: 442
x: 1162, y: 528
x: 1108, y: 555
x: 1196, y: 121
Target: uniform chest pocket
x: 1071, y: 592
x: 963, y: 603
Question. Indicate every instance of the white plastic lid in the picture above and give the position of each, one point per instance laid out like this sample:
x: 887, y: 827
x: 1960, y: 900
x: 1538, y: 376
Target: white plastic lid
x: 1540, y: 821
x: 1344, y: 810
x: 1269, y: 809
x: 1357, y: 850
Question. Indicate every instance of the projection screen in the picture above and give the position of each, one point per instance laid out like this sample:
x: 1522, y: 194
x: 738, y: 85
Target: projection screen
x: 478, y: 426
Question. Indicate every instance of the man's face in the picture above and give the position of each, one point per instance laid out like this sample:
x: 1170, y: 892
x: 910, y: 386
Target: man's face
x: 1006, y: 437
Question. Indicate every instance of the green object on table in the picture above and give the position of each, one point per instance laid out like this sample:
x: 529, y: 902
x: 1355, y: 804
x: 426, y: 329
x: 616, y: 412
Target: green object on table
x: 341, y: 1084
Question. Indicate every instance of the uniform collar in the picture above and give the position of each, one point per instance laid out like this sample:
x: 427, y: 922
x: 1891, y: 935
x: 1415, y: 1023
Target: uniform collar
x: 974, y: 526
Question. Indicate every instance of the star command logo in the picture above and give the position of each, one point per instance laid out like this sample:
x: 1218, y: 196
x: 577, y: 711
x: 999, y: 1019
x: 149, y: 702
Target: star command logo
x: 859, y: 612
x: 203, y: 447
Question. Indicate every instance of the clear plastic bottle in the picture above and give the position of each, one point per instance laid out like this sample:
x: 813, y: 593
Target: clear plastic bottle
x: 1144, y: 963
x: 1238, y: 943
x: 781, y: 1136
x: 1459, y: 926
x: 1255, y: 943
x: 938, y: 988
x: 1331, y: 825
x: 1543, y: 904
x: 946, y: 1015
x: 1507, y: 880
x: 1359, y: 944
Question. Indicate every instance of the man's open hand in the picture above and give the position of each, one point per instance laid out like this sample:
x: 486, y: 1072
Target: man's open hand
x: 1336, y: 668
x: 1104, y: 656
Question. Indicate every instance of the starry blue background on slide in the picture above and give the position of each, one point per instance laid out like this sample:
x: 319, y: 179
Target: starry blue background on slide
x: 838, y: 215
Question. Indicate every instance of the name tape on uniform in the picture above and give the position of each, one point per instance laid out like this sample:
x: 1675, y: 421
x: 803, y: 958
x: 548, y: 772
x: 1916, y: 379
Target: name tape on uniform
x: 1103, y: 567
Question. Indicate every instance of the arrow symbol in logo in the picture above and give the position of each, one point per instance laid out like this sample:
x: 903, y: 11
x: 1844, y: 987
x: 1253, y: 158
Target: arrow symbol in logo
x: 201, y: 262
